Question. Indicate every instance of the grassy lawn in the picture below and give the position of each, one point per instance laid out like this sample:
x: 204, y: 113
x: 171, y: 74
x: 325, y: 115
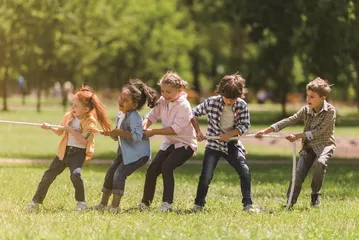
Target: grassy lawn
x: 222, y: 219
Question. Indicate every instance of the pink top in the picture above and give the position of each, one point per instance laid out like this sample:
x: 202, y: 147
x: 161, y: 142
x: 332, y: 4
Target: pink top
x: 176, y: 115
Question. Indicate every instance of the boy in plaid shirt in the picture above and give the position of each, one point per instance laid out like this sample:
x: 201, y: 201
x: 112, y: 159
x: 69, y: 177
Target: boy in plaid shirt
x: 317, y: 138
x: 228, y: 117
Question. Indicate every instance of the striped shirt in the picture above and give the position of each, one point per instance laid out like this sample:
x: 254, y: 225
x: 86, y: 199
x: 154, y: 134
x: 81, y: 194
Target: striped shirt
x: 213, y: 108
x: 318, y: 128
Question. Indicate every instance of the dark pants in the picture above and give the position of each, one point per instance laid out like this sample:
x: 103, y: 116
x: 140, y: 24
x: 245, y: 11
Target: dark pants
x: 117, y: 173
x: 165, y: 162
x: 305, y: 162
x: 236, y: 159
x: 74, y: 159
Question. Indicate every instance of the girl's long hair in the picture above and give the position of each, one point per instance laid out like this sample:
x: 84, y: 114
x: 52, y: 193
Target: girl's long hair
x: 90, y: 100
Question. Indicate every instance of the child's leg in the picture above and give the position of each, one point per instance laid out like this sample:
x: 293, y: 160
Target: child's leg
x: 75, y: 162
x: 211, y: 158
x: 319, y: 169
x: 57, y: 166
x: 237, y: 160
x: 177, y: 158
x: 153, y: 171
x: 304, y: 164
x: 108, y: 182
x: 123, y: 171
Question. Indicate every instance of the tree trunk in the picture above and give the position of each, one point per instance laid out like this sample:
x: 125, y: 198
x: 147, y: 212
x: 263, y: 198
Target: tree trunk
x: 6, y: 76
x: 194, y: 54
x: 356, y: 85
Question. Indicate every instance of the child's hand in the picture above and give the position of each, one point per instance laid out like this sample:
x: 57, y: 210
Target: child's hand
x: 224, y: 137
x: 68, y: 129
x: 291, y: 137
x: 200, y: 136
x: 106, y: 133
x: 45, y: 126
x: 149, y: 132
x: 115, y: 133
x: 260, y: 134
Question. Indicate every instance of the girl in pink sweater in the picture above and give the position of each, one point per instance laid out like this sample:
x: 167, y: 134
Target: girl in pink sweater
x: 175, y: 112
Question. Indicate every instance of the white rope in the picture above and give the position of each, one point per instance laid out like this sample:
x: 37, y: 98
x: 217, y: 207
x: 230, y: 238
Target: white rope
x: 38, y: 124
x: 293, y: 178
x: 231, y: 139
x: 31, y: 124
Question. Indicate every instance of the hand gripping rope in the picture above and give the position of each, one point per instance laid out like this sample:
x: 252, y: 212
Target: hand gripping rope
x: 268, y: 136
x: 37, y: 124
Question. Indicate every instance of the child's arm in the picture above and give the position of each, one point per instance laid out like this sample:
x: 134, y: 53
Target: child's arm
x: 282, y: 124
x: 136, y: 132
x: 195, y: 124
x: 78, y: 136
x: 153, y: 115
x: 327, y: 123
x: 198, y: 111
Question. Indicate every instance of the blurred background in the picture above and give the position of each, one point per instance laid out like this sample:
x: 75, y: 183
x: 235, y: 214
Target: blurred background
x: 50, y: 47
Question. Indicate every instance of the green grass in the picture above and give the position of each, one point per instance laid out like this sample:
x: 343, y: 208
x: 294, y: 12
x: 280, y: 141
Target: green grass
x: 222, y: 219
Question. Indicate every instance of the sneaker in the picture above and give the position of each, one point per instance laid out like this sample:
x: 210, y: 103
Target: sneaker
x: 33, y: 206
x: 165, y: 207
x: 113, y: 210
x: 142, y: 207
x: 99, y: 207
x: 81, y: 206
x: 248, y: 208
x: 197, y: 208
x: 315, y: 200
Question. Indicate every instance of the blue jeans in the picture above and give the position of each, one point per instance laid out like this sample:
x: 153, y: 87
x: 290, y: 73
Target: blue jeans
x: 236, y: 159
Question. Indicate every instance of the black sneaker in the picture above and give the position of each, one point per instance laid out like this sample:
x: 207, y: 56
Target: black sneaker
x: 315, y: 200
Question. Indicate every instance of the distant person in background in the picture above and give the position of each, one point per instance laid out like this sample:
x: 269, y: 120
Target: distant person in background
x: 22, y: 88
x: 317, y: 138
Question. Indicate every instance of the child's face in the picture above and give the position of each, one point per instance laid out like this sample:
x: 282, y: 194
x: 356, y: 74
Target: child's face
x: 314, y: 100
x: 78, y: 108
x: 125, y: 103
x: 229, y: 101
x: 170, y: 93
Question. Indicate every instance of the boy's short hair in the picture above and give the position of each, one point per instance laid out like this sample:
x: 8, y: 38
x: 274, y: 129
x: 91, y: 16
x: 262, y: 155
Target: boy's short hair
x: 319, y: 86
x: 232, y: 86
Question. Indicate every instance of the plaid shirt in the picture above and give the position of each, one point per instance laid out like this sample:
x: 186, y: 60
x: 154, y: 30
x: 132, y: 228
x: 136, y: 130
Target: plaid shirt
x: 213, y: 107
x: 318, y: 128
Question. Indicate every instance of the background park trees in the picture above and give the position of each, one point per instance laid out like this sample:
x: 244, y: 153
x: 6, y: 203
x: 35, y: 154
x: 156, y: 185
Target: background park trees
x: 276, y: 45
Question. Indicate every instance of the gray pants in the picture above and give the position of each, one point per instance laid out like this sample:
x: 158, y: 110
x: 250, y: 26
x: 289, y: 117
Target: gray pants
x: 305, y: 162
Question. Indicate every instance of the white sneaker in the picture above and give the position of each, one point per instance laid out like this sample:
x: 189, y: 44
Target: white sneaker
x: 81, y: 206
x: 165, y: 207
x: 249, y: 208
x: 33, y: 206
x: 142, y: 206
x: 197, y: 208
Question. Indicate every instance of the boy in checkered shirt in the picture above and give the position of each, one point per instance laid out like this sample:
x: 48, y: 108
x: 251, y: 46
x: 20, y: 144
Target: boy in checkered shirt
x: 228, y: 117
x: 317, y: 138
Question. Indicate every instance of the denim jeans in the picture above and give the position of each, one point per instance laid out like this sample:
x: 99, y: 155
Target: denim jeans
x: 74, y: 159
x: 236, y: 159
x: 165, y: 162
x: 305, y: 163
x: 117, y: 174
